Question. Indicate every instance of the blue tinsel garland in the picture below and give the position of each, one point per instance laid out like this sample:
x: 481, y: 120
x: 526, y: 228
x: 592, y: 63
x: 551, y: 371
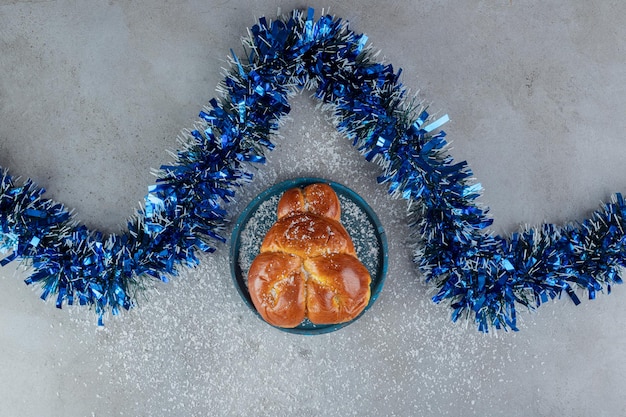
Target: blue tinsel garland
x: 484, y: 277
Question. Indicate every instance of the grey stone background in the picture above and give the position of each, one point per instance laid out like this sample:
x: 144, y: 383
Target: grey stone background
x: 93, y: 93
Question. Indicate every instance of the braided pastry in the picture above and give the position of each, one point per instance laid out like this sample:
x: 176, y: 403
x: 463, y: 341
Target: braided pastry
x: 307, y: 266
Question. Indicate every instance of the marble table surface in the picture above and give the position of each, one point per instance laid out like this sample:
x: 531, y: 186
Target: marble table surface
x: 94, y: 93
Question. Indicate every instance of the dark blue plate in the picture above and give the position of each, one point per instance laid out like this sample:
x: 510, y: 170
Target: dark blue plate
x: 356, y: 216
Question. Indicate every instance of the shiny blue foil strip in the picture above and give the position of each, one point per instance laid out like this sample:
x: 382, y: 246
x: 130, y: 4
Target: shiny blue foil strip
x: 484, y: 278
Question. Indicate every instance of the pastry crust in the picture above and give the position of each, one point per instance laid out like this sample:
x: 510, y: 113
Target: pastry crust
x: 276, y: 283
x: 338, y: 288
x: 315, y: 198
x: 307, y: 235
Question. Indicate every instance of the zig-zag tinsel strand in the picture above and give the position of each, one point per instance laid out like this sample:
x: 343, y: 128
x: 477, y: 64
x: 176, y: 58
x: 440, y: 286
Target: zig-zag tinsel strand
x: 483, y: 277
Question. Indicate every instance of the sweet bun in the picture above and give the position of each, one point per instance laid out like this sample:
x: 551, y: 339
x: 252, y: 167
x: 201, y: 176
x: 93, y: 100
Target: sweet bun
x: 307, y: 235
x: 338, y: 288
x: 316, y: 198
x: 277, y: 289
x: 307, y: 266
